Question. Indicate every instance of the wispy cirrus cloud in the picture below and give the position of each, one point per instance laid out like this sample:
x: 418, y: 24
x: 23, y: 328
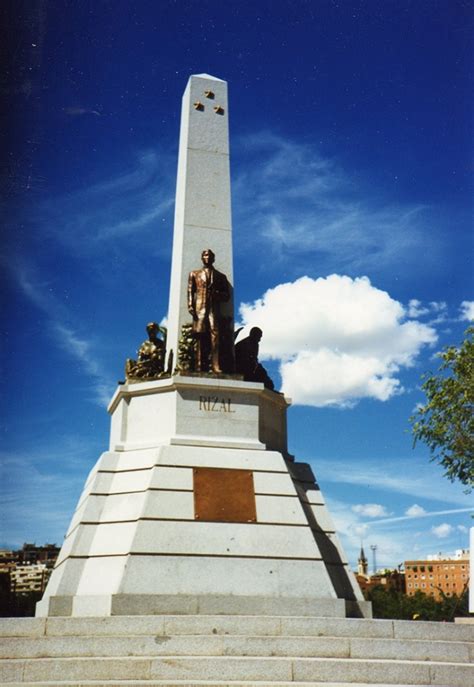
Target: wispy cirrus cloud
x: 425, y: 514
x: 303, y: 204
x: 392, y: 546
x: 35, y: 492
x: 395, y: 537
x: 121, y: 207
x: 404, y: 477
x: 63, y: 334
x: 135, y: 224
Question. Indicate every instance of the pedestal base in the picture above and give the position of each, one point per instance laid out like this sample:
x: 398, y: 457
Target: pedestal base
x: 161, y: 530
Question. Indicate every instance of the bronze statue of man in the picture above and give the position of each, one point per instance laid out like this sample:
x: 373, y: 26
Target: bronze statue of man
x: 207, y: 289
x: 246, y: 359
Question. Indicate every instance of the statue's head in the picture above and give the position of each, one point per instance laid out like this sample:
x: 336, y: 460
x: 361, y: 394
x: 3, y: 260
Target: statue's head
x: 207, y: 257
x: 256, y: 333
x: 152, y: 328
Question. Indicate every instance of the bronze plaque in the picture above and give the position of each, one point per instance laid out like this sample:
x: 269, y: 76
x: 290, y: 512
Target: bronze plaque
x: 224, y: 495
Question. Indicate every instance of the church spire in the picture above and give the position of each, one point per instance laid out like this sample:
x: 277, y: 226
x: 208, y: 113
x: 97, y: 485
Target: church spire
x: 363, y: 564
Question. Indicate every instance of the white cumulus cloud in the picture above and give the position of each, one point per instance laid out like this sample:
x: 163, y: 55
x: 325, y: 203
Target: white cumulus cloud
x: 415, y: 511
x: 370, y: 510
x: 442, y: 531
x: 338, y: 339
x: 467, y: 310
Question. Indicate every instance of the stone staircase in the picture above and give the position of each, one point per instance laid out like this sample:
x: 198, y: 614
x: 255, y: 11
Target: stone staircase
x: 234, y: 651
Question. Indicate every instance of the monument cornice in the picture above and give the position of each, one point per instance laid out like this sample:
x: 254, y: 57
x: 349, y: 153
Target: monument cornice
x: 180, y: 382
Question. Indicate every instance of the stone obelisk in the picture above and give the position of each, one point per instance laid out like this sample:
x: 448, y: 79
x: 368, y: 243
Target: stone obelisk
x: 197, y: 507
x: 203, y: 203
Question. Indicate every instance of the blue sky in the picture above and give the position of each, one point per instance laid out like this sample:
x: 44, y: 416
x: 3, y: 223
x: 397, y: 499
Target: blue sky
x: 351, y: 162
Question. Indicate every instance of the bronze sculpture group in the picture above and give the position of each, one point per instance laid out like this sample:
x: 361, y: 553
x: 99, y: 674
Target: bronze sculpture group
x: 206, y: 345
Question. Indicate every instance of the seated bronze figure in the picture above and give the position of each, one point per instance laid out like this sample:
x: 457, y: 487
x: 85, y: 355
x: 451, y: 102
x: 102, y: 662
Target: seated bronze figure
x: 150, y: 363
x: 246, y: 359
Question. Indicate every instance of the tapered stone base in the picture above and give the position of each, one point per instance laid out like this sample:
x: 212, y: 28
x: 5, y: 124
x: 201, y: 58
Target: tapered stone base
x: 139, y: 543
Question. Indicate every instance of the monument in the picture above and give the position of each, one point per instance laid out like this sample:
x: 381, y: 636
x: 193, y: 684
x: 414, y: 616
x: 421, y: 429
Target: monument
x: 197, y: 506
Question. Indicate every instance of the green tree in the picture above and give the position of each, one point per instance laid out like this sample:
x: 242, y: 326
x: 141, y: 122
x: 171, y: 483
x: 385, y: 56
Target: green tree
x: 446, y: 421
x: 390, y: 603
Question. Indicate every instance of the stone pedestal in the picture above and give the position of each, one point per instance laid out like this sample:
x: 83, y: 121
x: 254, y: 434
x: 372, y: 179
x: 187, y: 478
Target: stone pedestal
x: 159, y: 527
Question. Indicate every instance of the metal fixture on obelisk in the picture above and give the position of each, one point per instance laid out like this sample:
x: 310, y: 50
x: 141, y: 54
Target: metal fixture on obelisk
x: 197, y: 507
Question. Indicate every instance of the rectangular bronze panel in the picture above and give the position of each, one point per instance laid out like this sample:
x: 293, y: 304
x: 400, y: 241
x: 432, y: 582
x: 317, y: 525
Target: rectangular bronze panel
x: 224, y: 495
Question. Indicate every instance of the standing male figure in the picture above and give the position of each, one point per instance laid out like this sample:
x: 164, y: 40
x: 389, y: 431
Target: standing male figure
x: 207, y: 289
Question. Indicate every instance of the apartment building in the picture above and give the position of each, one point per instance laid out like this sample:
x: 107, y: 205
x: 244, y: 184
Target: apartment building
x: 438, y: 575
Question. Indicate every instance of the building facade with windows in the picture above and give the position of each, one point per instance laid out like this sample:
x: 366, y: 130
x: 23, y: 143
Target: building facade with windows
x: 29, y: 578
x: 27, y: 569
x: 436, y: 576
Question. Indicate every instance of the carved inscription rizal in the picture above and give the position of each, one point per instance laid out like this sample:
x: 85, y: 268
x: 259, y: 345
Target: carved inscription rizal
x: 215, y: 404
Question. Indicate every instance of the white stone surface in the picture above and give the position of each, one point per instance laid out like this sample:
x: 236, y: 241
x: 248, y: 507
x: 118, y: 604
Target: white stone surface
x: 202, y: 213
x: 236, y: 577
x: 207, y: 538
x: 273, y: 483
x: 249, y: 625
x: 91, y: 606
x: 172, y: 504
x: 22, y: 627
x: 129, y: 460
x: 100, y: 484
x: 172, y: 478
x: 91, y: 509
x: 222, y: 644
x: 121, y: 507
x: 100, y: 576
x: 113, y: 626
x: 133, y: 480
x: 197, y: 411
x: 169, y: 505
x: 409, y: 651
x: 238, y: 459
x: 65, y: 578
x: 222, y: 668
x: 366, y: 672
x: 280, y: 509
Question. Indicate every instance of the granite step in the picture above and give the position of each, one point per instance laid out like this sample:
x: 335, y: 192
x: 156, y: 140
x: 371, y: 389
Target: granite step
x: 234, y: 669
x: 234, y: 645
x: 201, y: 683
x: 235, y: 625
x: 233, y: 650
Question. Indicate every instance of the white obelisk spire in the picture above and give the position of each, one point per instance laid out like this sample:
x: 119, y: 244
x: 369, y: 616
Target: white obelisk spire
x: 203, y: 204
